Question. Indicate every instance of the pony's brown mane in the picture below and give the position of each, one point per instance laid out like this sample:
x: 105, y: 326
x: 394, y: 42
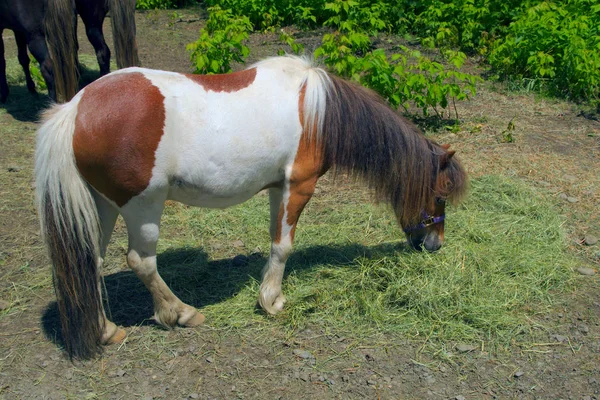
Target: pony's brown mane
x: 362, y: 136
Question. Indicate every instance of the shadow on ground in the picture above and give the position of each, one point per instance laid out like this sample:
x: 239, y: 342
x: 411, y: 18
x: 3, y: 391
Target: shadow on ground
x: 200, y: 282
x: 27, y: 107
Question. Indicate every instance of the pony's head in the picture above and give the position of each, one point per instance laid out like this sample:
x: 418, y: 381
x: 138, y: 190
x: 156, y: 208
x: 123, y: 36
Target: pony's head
x: 450, y: 183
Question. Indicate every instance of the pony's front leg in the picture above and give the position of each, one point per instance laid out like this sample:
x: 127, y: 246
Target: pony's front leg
x: 286, y: 206
x: 142, y: 217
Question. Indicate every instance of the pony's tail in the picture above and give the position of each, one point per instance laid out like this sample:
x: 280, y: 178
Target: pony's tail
x: 123, y: 27
x: 70, y: 228
x: 59, y: 28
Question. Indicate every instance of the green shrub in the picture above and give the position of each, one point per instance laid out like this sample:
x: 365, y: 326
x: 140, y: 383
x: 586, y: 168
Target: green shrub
x: 159, y: 4
x: 220, y: 42
x: 556, y: 43
x: 404, y: 78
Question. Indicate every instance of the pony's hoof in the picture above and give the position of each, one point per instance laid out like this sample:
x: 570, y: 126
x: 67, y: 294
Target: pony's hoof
x: 274, y: 306
x: 117, y: 337
x: 190, y: 318
x: 196, y: 320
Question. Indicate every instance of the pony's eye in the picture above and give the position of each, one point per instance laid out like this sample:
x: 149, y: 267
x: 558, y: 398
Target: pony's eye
x: 440, y: 200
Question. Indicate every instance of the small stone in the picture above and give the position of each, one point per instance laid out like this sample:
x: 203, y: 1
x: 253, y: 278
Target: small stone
x: 331, y: 382
x: 194, y: 396
x: 459, y: 397
x: 590, y: 240
x: 586, y: 271
x: 371, y: 382
x: 304, y: 377
x: 4, y: 305
x: 240, y: 261
x: 519, y: 374
x: 217, y: 246
x: 345, y: 378
x: 303, y: 354
x: 584, y: 329
x: 210, y: 360
x: 44, y: 364
x: 563, y: 196
x: 572, y: 199
x: 570, y: 178
x: 465, y: 348
x: 238, y: 243
x: 560, y: 338
x: 69, y: 374
x: 14, y: 168
x: 321, y: 378
x: 120, y: 373
x: 369, y: 357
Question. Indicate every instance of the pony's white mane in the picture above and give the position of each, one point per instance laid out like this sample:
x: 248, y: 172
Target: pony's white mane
x: 316, y: 82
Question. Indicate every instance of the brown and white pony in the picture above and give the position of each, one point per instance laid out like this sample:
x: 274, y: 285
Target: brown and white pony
x: 138, y: 137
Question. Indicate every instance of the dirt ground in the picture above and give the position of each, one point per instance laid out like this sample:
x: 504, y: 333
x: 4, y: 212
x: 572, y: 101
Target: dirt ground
x: 555, y: 148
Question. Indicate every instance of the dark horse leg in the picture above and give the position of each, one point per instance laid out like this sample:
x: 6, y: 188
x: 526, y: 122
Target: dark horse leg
x: 3, y: 83
x: 37, y: 47
x: 21, y: 39
x: 93, y: 13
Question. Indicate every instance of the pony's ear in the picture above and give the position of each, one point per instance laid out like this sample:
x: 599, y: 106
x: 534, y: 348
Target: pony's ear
x: 445, y: 158
x: 445, y: 146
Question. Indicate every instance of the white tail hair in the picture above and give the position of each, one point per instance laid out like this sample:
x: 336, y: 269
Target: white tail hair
x: 58, y: 182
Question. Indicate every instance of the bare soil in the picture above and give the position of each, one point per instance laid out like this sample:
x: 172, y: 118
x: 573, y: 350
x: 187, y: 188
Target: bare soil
x: 555, y: 148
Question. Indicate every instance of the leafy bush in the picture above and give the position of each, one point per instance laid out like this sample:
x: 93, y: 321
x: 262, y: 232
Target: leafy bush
x: 556, y: 43
x: 404, y: 78
x: 268, y: 14
x: 220, y: 42
x: 159, y: 4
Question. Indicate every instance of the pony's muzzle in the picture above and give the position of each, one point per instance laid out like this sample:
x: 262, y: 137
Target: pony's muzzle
x: 430, y: 242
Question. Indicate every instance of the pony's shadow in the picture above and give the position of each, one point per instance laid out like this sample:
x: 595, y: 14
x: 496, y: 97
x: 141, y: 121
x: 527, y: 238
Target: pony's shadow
x: 27, y: 107
x: 200, y: 282
x: 24, y: 106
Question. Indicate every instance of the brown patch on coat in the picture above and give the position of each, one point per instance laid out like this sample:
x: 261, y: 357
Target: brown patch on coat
x: 307, y: 168
x: 225, y: 82
x: 119, y: 124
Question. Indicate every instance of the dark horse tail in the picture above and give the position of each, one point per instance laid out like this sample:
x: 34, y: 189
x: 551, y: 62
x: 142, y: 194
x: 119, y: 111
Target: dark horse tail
x: 123, y: 27
x: 59, y: 28
x: 70, y: 228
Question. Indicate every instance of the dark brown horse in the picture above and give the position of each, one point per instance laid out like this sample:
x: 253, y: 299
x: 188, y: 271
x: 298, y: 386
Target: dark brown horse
x: 48, y: 28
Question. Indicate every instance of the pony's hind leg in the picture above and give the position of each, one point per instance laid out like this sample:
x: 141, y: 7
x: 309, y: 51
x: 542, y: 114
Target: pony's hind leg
x: 142, y: 217
x: 23, y: 57
x: 107, y: 214
x: 285, y: 211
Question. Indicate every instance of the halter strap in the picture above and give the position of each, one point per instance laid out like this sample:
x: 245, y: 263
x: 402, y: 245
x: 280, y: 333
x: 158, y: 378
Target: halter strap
x: 427, y: 220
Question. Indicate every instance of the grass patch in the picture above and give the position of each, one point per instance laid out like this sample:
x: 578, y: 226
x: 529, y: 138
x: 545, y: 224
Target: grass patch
x: 505, y: 254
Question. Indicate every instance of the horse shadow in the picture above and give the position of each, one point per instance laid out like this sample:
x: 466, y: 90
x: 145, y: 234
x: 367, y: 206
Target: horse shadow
x: 24, y: 106
x: 200, y: 282
x: 28, y: 107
